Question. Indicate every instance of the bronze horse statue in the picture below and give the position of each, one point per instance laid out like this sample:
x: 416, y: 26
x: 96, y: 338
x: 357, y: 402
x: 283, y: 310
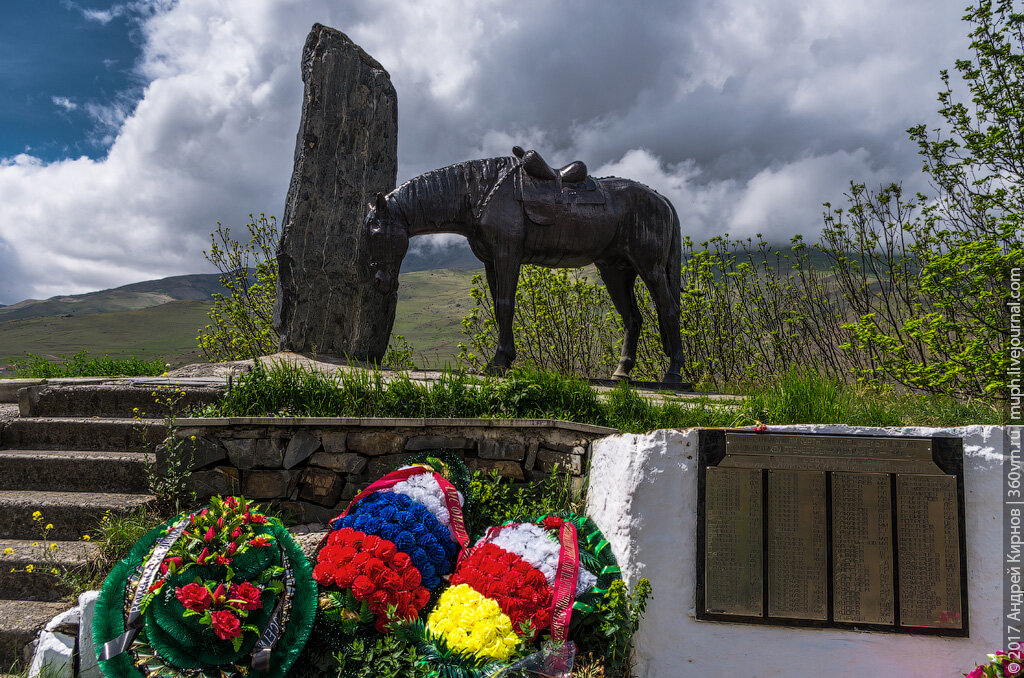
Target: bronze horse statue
x: 517, y: 210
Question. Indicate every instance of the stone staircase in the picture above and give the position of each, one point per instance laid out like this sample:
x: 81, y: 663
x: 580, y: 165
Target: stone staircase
x: 75, y: 454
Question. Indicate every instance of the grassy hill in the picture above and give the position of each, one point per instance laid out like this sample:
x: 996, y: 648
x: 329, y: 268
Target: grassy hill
x: 430, y: 305
x: 131, y: 297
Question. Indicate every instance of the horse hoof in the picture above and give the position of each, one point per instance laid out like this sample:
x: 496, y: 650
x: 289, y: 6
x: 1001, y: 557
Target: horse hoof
x: 672, y: 378
x: 493, y: 370
x: 620, y: 374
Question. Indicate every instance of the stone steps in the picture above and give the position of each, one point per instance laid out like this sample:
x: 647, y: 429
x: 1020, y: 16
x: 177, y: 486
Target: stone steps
x: 32, y: 562
x: 68, y: 433
x: 72, y: 514
x: 119, y: 399
x: 74, y: 470
x: 76, y: 455
x: 20, y: 621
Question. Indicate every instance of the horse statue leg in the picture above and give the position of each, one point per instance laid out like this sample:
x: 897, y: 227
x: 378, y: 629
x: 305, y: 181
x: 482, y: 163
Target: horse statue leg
x: 619, y: 284
x: 667, y: 303
x: 503, y: 278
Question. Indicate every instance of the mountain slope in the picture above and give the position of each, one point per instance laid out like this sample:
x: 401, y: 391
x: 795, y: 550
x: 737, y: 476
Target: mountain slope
x: 131, y: 297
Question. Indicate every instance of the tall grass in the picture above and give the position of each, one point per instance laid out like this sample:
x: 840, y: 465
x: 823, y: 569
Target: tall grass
x: 797, y: 397
x: 82, y: 364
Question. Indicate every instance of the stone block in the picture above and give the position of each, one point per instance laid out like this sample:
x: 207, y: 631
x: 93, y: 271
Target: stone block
x: 269, y: 453
x: 253, y: 433
x: 204, y: 450
x: 334, y: 441
x: 506, y: 469
x: 345, y: 153
x: 305, y: 512
x: 507, y: 450
x: 320, y: 486
x: 420, y: 443
x: 267, y: 484
x: 531, y: 456
x: 567, y: 463
x: 378, y: 466
x: 223, y: 480
x: 300, y: 448
x: 375, y: 443
x: 345, y: 462
x: 241, y: 452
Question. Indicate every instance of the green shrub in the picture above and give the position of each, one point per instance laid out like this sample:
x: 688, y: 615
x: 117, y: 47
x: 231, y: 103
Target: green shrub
x: 241, y: 324
x: 82, y: 364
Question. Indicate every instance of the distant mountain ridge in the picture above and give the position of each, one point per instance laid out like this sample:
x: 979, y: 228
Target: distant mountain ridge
x: 198, y: 287
x: 132, y: 297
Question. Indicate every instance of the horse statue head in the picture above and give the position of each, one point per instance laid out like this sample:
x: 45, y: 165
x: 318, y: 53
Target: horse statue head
x: 389, y: 240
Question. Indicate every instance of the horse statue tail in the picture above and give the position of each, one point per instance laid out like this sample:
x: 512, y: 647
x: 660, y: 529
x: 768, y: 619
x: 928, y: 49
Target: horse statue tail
x: 675, y: 259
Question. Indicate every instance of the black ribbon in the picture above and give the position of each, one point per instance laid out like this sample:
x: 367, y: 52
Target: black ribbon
x: 133, y: 624
x: 275, y: 627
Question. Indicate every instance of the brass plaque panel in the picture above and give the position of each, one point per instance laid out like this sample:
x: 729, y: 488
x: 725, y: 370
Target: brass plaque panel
x: 928, y: 545
x: 797, y: 547
x: 862, y: 553
x: 870, y: 454
x: 733, y: 542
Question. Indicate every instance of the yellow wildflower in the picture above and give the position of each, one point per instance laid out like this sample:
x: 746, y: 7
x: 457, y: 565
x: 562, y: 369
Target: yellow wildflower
x: 8, y: 551
x: 86, y: 537
x: 53, y: 570
x: 30, y: 567
x: 49, y: 526
x: 37, y: 516
x: 54, y: 547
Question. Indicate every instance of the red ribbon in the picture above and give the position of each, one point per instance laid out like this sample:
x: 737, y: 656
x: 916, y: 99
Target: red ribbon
x: 457, y: 524
x: 565, y: 582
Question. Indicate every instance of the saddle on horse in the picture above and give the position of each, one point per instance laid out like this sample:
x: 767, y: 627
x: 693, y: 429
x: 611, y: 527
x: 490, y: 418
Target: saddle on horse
x: 548, y: 193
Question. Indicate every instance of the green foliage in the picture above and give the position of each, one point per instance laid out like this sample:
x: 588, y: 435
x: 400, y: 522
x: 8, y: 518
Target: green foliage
x: 794, y: 397
x: 607, y: 634
x: 241, y: 324
x: 399, y: 354
x: 500, y: 500
x: 378, y: 657
x: 955, y: 255
x: 82, y: 364
x: 168, y: 478
x: 563, y: 323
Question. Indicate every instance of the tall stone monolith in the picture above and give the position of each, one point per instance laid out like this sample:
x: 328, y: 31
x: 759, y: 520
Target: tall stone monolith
x: 345, y: 152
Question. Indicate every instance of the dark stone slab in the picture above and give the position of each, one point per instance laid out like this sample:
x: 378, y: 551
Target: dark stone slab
x: 346, y: 151
x: 300, y: 448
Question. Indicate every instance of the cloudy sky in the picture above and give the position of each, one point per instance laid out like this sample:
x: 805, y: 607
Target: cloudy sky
x: 128, y: 129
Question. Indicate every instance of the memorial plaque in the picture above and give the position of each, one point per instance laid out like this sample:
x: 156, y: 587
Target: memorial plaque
x: 842, y: 531
x: 797, y: 558
x: 733, y: 542
x: 929, y: 551
x: 862, y: 548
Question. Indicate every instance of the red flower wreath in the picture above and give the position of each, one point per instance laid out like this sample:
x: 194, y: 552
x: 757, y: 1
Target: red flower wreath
x: 520, y: 590
x: 375, y: 572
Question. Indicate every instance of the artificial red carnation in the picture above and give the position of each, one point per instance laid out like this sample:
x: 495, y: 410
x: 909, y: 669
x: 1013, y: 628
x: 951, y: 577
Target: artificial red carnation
x: 226, y: 624
x: 247, y: 594
x: 552, y: 523
x: 194, y: 597
x: 362, y: 587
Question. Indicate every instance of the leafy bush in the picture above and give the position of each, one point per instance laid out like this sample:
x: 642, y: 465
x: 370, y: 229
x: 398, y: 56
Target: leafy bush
x: 241, y: 324
x: 83, y: 365
x: 797, y: 397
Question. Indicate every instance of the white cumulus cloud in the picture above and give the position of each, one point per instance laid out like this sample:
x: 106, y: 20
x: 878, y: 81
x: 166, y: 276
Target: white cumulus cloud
x: 747, y: 115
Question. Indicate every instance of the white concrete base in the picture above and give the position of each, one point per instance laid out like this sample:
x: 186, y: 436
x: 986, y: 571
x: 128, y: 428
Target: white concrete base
x: 88, y: 667
x: 643, y: 495
x: 54, y: 656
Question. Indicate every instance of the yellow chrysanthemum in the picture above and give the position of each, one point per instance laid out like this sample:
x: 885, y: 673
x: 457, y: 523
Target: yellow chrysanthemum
x: 472, y: 623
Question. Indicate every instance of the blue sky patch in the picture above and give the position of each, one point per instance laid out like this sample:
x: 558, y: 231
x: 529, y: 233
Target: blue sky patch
x: 66, y: 73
